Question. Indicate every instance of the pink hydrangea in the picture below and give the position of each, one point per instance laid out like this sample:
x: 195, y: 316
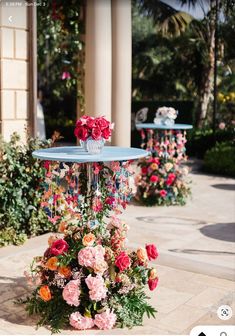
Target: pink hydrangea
x: 71, y: 293
x: 80, y: 322
x: 89, y: 256
x: 105, y: 320
x: 97, y: 288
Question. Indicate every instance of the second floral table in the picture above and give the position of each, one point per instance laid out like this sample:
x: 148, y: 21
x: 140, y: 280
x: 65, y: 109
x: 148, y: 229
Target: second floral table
x: 162, y: 179
x: 87, y: 277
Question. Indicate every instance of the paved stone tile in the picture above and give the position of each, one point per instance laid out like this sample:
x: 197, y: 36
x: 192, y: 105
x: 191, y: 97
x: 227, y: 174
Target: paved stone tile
x: 208, y: 298
x: 166, y: 300
x: 180, y: 318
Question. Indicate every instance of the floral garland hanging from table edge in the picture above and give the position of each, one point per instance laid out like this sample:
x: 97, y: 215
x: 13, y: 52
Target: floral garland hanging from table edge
x: 87, y: 276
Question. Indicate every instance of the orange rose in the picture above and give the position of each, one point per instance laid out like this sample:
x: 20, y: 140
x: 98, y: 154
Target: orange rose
x: 153, y: 274
x: 45, y: 293
x: 154, y: 166
x: 88, y: 239
x: 62, y: 227
x: 65, y: 271
x: 142, y: 254
x: 51, y: 264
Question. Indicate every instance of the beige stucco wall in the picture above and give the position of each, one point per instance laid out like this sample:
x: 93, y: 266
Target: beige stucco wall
x: 14, y: 86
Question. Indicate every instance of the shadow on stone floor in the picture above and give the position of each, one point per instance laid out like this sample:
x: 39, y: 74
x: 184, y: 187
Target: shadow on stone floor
x: 220, y: 231
x: 12, y: 289
x: 224, y: 186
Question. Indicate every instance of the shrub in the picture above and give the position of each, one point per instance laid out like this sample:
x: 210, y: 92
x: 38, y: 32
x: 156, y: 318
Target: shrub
x: 221, y: 159
x: 20, y: 192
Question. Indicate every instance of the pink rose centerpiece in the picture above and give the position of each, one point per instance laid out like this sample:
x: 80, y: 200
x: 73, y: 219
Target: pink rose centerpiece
x: 93, y: 132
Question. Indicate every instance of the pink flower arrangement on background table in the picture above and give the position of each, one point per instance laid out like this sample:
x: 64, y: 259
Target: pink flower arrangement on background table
x: 94, y: 130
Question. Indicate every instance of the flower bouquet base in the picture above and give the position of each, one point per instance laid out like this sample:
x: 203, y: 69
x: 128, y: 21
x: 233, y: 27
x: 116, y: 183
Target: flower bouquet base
x: 86, y: 280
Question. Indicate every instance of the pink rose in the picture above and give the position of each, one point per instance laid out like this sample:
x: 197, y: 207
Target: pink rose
x: 97, y: 206
x: 81, y: 133
x: 90, y: 255
x: 71, y: 293
x: 105, y: 320
x: 90, y: 122
x: 110, y: 200
x: 106, y: 133
x: 163, y: 193
x: 152, y: 283
x: 122, y: 261
x: 80, y: 322
x: 97, y: 288
x: 96, y: 133
x: 154, y: 179
x: 59, y: 246
x: 102, y: 123
x: 151, y: 251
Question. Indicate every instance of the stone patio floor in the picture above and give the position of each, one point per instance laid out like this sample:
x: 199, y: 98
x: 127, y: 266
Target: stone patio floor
x: 196, y: 263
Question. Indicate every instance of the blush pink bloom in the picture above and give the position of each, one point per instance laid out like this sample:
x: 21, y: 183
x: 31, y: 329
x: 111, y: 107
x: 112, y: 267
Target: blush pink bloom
x: 90, y: 256
x: 115, y: 166
x: 65, y: 75
x: 97, y: 288
x: 80, y: 322
x: 71, y: 293
x: 105, y: 320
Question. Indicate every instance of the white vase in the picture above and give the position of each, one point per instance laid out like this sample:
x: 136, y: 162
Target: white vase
x: 93, y: 146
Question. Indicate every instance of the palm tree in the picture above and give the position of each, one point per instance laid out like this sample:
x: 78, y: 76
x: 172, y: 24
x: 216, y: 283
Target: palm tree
x: 173, y: 22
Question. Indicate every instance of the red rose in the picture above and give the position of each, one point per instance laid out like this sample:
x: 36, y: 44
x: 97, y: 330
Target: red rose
x: 81, y: 133
x: 59, y: 246
x: 152, y: 283
x: 110, y: 200
x: 151, y: 251
x: 102, y: 123
x: 144, y: 170
x: 122, y: 261
x: 163, y: 193
x: 90, y: 122
x: 96, y: 133
x: 154, y: 178
x: 106, y: 133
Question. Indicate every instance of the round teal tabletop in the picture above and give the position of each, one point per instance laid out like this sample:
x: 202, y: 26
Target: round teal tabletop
x: 78, y: 154
x: 164, y: 127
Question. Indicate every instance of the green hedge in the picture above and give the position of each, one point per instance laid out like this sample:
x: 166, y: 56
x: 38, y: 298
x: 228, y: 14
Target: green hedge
x: 221, y: 159
x: 20, y: 194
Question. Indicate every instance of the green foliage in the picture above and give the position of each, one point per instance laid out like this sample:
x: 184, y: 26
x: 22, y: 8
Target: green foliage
x: 131, y: 308
x: 20, y: 194
x: 221, y: 159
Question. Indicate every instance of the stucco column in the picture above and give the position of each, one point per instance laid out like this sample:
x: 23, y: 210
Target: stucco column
x: 98, y: 55
x: 121, y: 71
x: 16, y: 102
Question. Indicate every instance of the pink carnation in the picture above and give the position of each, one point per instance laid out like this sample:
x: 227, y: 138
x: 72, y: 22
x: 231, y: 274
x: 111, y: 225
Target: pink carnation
x: 90, y: 255
x: 105, y: 320
x: 97, y: 288
x: 80, y: 322
x: 71, y: 293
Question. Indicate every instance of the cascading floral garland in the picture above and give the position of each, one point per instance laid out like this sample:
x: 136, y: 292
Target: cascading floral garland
x: 162, y: 180
x: 87, y: 277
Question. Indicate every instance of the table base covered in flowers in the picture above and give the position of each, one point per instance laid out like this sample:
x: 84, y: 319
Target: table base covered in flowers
x: 162, y: 180
x: 87, y: 277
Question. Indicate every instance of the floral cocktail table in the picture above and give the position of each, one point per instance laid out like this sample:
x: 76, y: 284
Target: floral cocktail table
x: 87, y: 277
x: 162, y: 179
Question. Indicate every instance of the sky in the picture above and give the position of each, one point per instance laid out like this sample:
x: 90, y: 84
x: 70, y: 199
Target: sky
x: 195, y: 11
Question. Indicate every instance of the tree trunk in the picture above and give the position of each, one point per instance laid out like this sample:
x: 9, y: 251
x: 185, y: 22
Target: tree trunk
x: 206, y: 86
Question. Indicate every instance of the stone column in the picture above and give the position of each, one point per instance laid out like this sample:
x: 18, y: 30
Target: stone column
x: 14, y: 66
x: 98, y: 55
x: 121, y: 71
